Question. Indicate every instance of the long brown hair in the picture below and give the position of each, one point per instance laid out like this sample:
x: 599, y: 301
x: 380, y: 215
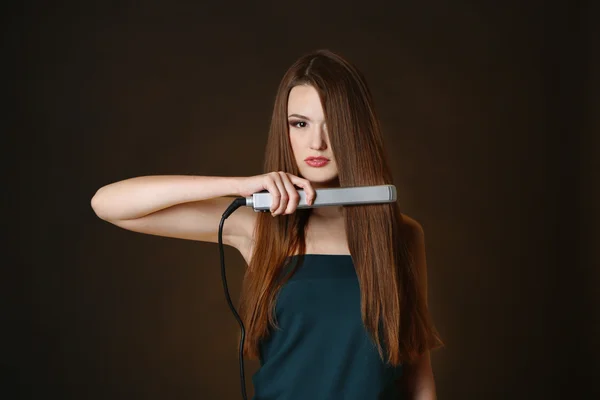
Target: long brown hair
x: 393, y: 305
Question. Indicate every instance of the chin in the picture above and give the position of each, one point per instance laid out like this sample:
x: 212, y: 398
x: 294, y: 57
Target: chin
x: 322, y: 179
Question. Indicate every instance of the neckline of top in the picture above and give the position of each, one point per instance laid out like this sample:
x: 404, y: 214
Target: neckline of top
x: 321, y: 255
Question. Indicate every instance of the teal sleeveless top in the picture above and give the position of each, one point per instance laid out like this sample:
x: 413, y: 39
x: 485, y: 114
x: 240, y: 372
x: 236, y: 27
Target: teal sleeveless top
x: 322, y: 349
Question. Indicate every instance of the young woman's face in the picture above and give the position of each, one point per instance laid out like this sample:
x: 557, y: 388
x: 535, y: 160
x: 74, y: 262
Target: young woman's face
x: 309, y: 138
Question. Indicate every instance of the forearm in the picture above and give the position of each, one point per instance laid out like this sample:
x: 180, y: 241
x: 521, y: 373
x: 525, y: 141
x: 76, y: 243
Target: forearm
x: 136, y: 197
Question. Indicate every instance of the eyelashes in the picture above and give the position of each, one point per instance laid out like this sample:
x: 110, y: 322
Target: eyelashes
x: 297, y: 124
x: 300, y: 124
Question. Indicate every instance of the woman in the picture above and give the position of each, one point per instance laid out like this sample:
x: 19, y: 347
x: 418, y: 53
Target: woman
x: 334, y: 300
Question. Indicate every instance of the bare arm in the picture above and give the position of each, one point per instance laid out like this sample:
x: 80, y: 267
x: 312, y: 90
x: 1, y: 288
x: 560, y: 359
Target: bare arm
x: 178, y: 206
x: 419, y: 381
x: 137, y: 197
x: 190, y: 207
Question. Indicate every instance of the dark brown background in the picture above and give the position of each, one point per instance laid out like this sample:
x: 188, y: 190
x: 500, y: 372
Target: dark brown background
x: 490, y: 111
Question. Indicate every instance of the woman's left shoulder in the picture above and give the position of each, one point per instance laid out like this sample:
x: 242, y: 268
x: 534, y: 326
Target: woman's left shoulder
x: 411, y: 226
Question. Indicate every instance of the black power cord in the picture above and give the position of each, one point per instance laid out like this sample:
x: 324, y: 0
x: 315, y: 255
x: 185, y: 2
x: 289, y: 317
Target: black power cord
x: 237, y: 203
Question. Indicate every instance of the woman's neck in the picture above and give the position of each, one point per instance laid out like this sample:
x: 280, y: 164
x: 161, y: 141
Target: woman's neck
x: 329, y: 213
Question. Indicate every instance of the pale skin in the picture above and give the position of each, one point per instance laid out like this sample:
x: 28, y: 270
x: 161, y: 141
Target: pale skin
x: 190, y: 207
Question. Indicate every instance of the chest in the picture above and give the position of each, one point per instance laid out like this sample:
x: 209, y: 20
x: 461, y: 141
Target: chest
x: 324, y: 288
x: 324, y: 306
x: 323, y: 236
x: 326, y: 237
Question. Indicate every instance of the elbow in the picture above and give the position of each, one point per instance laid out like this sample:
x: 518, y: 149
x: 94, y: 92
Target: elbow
x: 96, y: 204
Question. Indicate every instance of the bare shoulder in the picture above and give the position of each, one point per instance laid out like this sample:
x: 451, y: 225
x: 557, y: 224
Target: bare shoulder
x: 411, y: 228
x: 415, y: 240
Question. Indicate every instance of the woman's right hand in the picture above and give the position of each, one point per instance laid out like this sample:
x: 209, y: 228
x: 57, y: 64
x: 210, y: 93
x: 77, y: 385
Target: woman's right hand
x: 281, y: 187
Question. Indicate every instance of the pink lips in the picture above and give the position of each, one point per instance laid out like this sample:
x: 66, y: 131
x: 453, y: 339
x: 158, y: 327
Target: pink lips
x: 317, y: 161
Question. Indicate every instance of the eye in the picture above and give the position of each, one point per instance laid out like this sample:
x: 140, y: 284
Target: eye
x: 297, y: 124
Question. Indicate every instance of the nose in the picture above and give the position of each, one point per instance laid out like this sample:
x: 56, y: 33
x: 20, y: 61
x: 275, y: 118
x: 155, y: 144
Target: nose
x: 318, y: 140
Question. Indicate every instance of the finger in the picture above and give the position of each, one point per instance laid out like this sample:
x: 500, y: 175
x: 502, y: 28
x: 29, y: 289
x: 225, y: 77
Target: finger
x: 294, y: 197
x: 306, y: 186
x: 283, y: 199
x: 271, y: 186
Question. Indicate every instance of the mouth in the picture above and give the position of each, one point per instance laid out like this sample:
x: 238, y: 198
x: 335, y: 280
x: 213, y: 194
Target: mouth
x: 317, y: 161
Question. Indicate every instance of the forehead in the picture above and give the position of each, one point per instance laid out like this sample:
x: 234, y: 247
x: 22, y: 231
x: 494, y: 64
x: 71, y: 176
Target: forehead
x: 304, y: 100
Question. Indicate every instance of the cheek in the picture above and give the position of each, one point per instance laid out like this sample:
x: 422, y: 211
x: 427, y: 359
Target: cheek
x: 295, y: 145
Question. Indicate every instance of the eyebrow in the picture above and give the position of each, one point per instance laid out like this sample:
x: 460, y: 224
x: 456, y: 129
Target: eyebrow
x: 299, y: 116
